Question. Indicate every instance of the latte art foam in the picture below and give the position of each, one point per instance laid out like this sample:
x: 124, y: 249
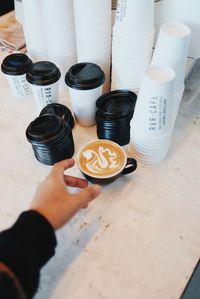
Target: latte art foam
x: 101, y: 158
x: 99, y: 162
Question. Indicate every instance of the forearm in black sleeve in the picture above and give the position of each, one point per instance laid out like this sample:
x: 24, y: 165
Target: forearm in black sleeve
x: 26, y: 247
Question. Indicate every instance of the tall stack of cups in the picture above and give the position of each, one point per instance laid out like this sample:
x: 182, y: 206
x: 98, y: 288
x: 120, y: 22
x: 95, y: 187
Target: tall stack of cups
x: 133, y: 36
x: 151, y: 127
x: 93, y: 34
x: 33, y: 30
x: 172, y: 50
x: 58, y: 22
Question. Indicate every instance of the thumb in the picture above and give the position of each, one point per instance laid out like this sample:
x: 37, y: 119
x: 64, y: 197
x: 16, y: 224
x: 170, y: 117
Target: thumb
x: 88, y: 194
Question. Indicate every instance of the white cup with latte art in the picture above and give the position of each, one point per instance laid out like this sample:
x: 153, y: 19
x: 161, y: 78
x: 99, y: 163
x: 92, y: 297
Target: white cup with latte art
x: 103, y: 161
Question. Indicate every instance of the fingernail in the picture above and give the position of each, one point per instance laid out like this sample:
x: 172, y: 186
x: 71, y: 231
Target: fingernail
x: 97, y: 189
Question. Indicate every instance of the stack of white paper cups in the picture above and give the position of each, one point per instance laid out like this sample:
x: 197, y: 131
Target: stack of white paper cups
x: 33, y: 30
x: 58, y: 21
x: 93, y: 34
x: 151, y: 124
x: 172, y: 50
x: 133, y: 36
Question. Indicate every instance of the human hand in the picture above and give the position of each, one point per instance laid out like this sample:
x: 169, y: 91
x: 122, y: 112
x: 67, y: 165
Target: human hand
x: 55, y: 202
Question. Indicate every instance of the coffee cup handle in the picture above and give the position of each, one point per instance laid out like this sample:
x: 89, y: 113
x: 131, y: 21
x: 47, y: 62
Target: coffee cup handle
x: 131, y: 166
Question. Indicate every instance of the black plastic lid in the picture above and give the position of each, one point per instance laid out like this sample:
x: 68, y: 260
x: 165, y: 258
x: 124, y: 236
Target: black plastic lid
x: 43, y: 73
x: 44, y: 127
x: 16, y: 64
x: 117, y: 103
x: 59, y: 110
x: 85, y: 76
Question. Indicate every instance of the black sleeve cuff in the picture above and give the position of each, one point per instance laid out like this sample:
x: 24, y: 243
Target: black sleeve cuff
x: 26, y: 247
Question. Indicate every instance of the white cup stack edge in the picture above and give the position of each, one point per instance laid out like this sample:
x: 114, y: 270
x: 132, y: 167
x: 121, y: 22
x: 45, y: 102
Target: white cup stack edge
x: 33, y: 30
x: 135, y: 17
x: 151, y: 126
x: 172, y: 49
x: 93, y: 34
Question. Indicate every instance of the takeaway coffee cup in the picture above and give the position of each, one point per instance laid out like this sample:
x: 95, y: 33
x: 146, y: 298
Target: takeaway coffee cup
x: 43, y: 77
x: 15, y: 67
x: 85, y: 81
x: 103, y: 161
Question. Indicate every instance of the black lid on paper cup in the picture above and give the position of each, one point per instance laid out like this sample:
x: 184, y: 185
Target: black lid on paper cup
x: 117, y: 103
x: 84, y: 76
x: 43, y: 73
x: 44, y: 128
x: 16, y: 64
x: 61, y: 111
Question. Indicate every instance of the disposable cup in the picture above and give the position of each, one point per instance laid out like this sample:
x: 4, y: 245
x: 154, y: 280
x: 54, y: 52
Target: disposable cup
x: 148, y: 159
x: 36, y: 46
x: 58, y: 21
x: 135, y: 17
x: 43, y: 77
x: 157, y: 148
x: 149, y: 156
x: 33, y: 30
x: 32, y: 16
x: 15, y: 67
x: 153, y: 112
x: 172, y: 50
x: 93, y: 31
x: 85, y: 82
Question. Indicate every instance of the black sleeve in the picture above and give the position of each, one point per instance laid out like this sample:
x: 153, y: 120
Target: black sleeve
x: 26, y: 247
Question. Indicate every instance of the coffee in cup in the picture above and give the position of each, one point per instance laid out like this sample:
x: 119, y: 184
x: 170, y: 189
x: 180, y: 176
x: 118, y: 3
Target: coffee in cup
x: 103, y: 161
x: 43, y: 77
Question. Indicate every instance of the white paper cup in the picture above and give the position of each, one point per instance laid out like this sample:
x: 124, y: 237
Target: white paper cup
x: 58, y: 21
x: 172, y: 50
x: 135, y: 17
x: 83, y: 104
x: 130, y: 60
x: 43, y: 77
x: 32, y: 16
x: 148, y: 158
x: 45, y: 95
x: 153, y: 111
x: 15, y: 67
x: 85, y: 82
x: 36, y: 47
x: 19, y: 85
x: 33, y: 30
x: 93, y: 29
